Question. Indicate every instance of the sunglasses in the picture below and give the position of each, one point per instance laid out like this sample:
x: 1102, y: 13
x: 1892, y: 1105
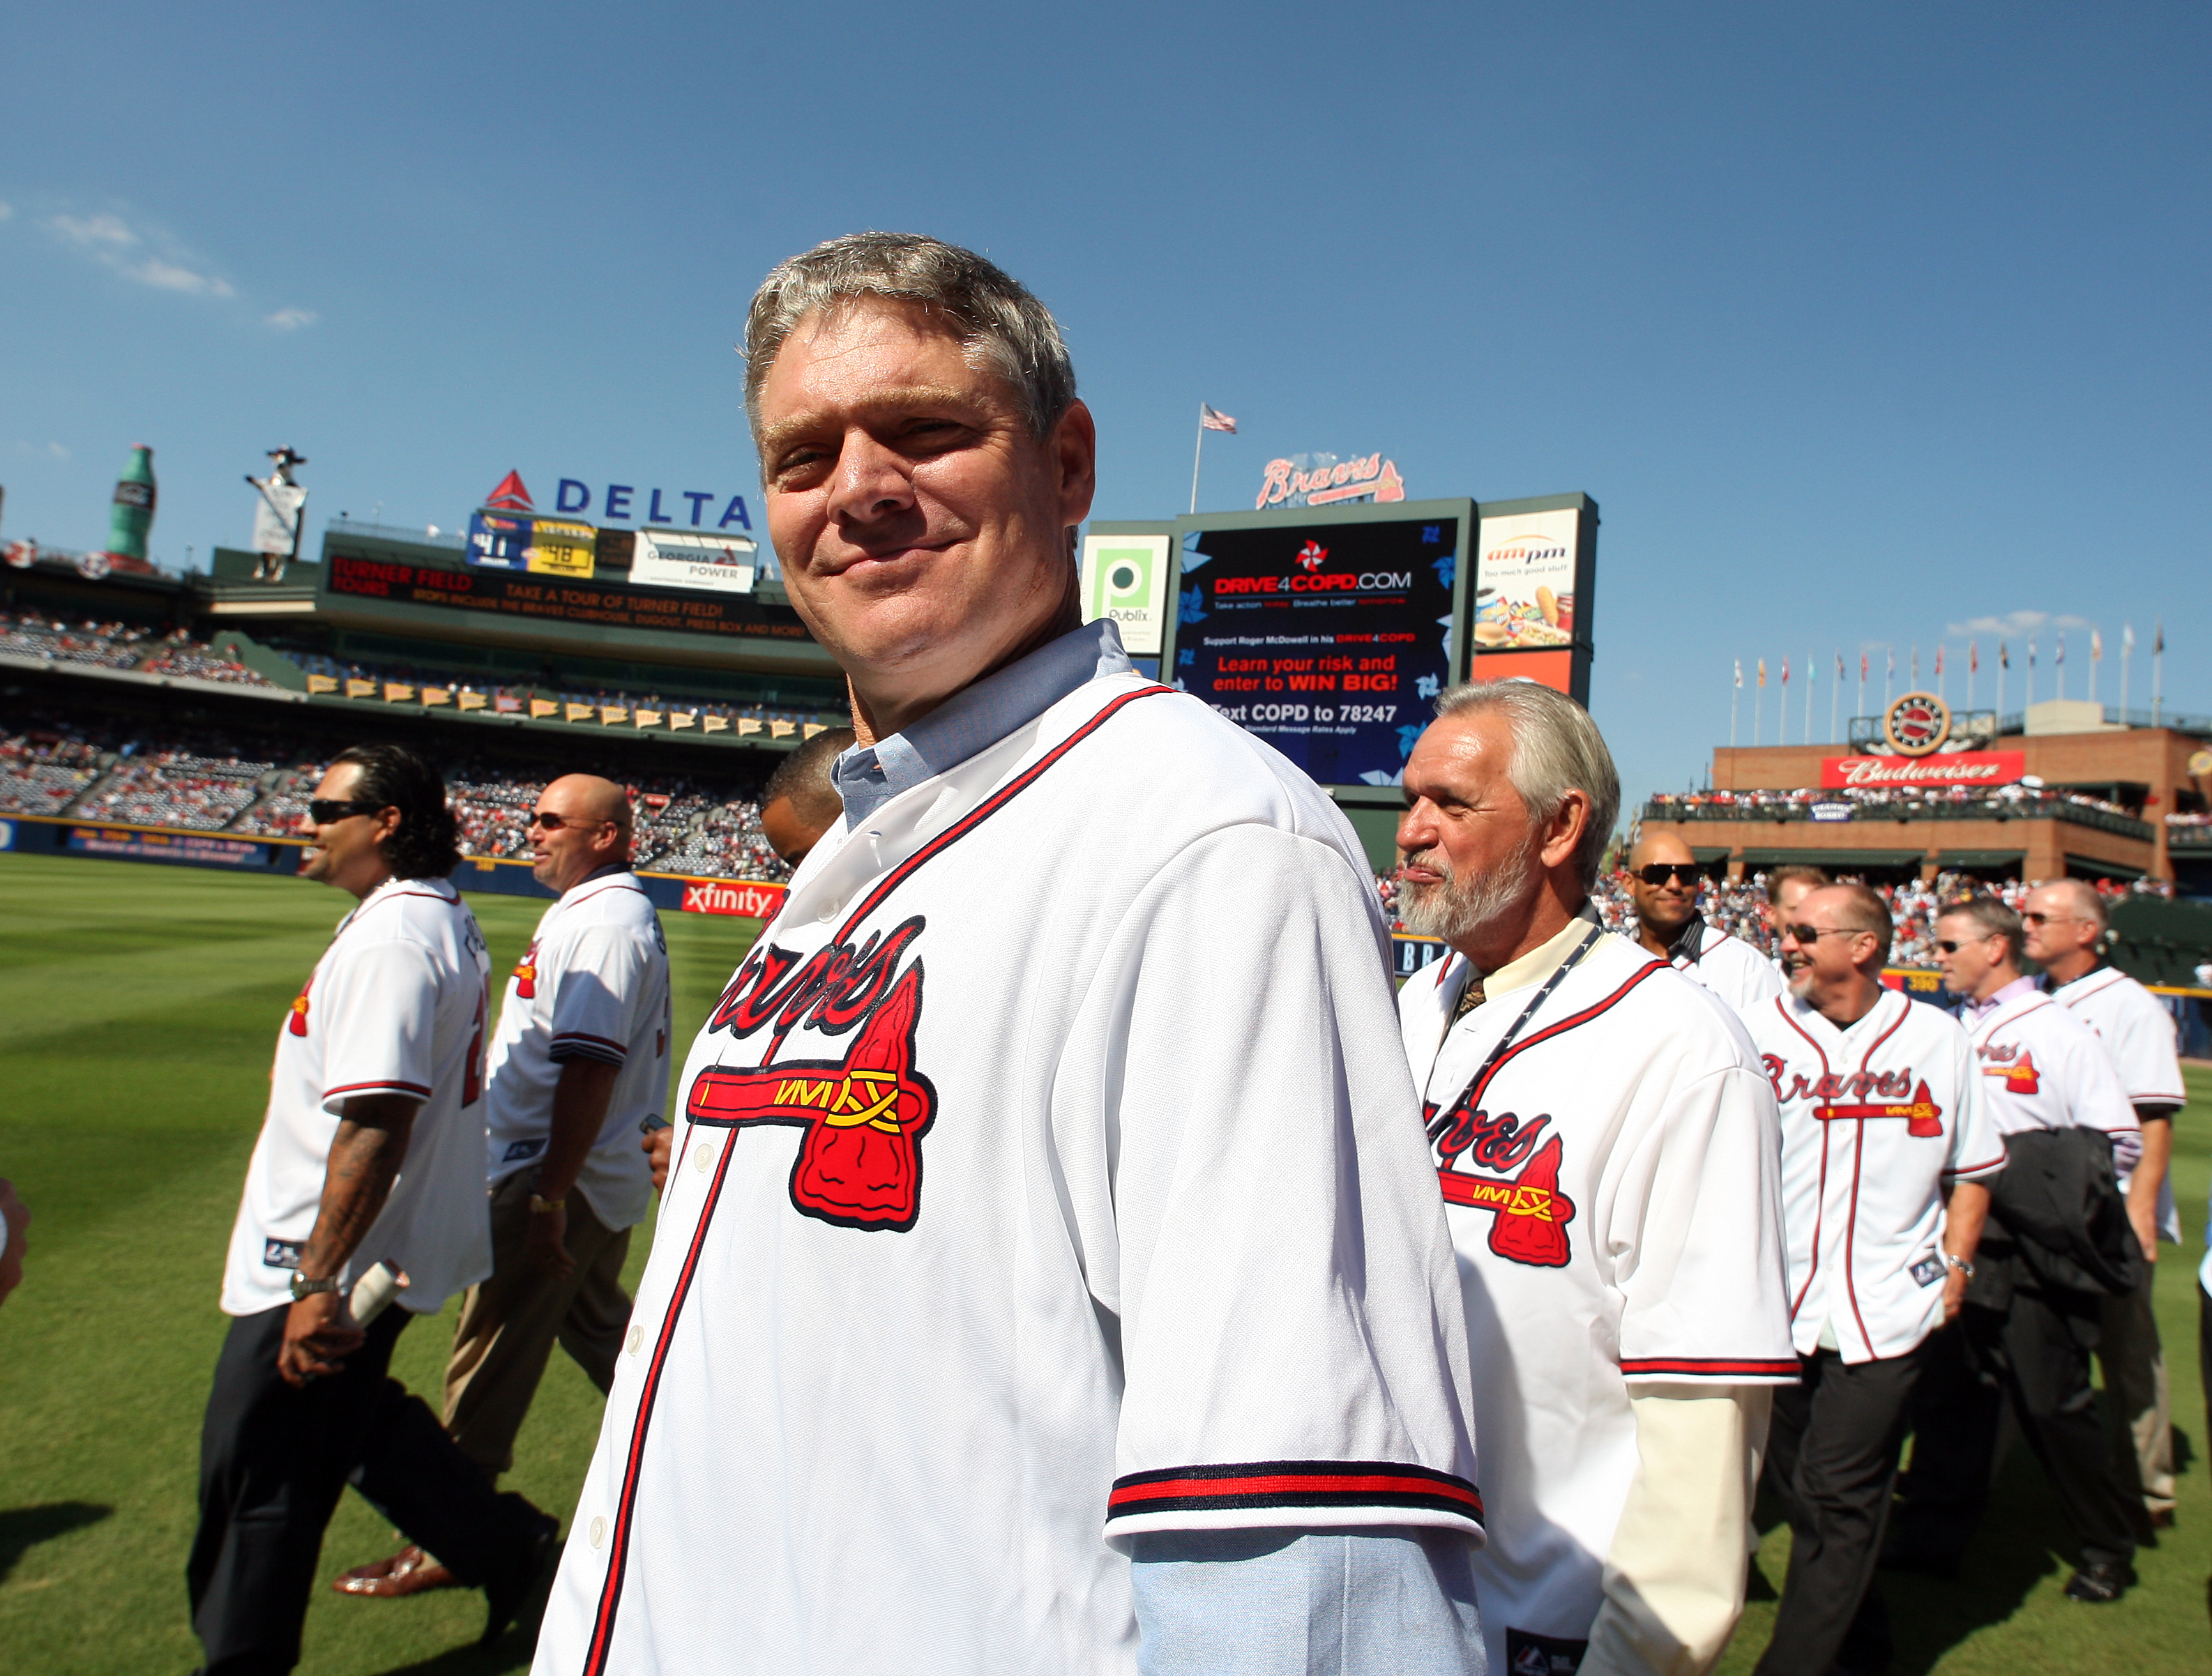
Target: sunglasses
x: 1814, y: 933
x: 1946, y: 946
x: 538, y: 818
x: 2046, y: 918
x: 1660, y: 871
x: 321, y: 811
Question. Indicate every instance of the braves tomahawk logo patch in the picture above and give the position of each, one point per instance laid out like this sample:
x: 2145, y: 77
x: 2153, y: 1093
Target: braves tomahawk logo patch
x: 1530, y: 1225
x: 859, y: 1161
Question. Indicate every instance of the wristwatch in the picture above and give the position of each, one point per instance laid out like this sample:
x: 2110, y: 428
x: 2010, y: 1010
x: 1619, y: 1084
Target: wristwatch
x: 304, y: 1288
x: 1960, y: 1263
x: 539, y: 1207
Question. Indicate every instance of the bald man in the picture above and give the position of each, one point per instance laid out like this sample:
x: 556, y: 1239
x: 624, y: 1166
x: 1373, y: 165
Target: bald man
x: 579, y: 1064
x: 1663, y: 886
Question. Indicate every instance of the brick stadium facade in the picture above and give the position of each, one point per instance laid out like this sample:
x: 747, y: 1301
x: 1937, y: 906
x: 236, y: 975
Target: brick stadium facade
x: 2042, y: 835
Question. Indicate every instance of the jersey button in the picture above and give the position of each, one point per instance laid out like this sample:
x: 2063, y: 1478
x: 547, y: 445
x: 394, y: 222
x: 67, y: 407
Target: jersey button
x: 636, y: 1338
x: 829, y: 910
x: 598, y: 1531
x: 703, y: 1157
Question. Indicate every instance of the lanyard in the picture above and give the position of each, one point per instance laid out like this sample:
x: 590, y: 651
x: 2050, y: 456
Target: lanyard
x: 1473, y: 1091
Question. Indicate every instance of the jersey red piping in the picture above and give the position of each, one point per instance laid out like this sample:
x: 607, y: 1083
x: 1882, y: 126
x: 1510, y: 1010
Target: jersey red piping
x: 990, y: 806
x: 1291, y: 1484
x: 595, y: 1661
x: 1858, y: 1164
x: 1820, y: 1199
x: 392, y: 1083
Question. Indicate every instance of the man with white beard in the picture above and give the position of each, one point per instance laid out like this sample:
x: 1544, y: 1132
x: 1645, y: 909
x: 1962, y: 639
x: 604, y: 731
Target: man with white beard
x: 1606, y: 1146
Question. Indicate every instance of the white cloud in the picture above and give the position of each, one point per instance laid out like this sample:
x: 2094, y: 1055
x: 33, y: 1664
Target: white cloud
x: 114, y: 243
x: 6, y: 211
x: 53, y: 450
x: 290, y: 320
x: 2017, y: 623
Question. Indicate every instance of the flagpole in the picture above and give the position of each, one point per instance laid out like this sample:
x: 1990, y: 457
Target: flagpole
x: 1197, y: 454
x: 2158, y: 675
x: 1973, y: 662
x: 1836, y: 698
x: 1758, y: 705
x: 1736, y: 702
x: 2127, y: 650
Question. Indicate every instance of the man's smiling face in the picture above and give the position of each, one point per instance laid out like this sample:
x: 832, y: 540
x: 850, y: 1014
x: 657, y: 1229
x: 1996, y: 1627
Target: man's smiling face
x: 923, y: 530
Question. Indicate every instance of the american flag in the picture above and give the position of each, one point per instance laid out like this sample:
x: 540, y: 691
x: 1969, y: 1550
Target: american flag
x: 1213, y: 419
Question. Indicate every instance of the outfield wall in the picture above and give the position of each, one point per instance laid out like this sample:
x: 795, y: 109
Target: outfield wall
x: 109, y: 840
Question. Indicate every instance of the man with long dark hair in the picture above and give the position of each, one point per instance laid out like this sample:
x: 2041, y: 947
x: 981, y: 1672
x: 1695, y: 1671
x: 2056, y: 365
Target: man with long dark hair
x: 379, y: 1062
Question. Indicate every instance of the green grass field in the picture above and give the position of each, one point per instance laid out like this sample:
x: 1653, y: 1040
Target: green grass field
x: 138, y: 1007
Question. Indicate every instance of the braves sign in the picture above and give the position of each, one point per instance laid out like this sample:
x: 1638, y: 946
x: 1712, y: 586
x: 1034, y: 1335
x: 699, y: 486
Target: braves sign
x: 749, y: 898
x: 1323, y: 480
x: 1962, y: 768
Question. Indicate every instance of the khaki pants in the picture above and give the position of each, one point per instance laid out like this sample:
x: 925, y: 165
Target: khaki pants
x: 2136, y: 1394
x: 510, y: 1322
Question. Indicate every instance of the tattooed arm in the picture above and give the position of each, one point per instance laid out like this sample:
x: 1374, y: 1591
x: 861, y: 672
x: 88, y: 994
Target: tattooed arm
x: 365, y: 1159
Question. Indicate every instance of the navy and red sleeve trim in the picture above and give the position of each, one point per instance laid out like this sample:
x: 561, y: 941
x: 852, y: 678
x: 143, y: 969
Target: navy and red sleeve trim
x: 1708, y: 1366
x: 1967, y: 1172
x: 391, y: 1086
x: 582, y: 1045
x: 1293, y: 1484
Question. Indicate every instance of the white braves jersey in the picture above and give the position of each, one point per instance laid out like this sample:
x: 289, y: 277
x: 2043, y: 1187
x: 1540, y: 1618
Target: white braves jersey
x: 1612, y: 1183
x: 2138, y: 1034
x: 1875, y: 1120
x: 1047, y: 1174
x: 1733, y: 970
x: 396, y: 1006
x: 2043, y: 1068
x: 593, y: 985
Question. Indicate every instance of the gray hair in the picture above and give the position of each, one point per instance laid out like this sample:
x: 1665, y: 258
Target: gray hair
x: 1000, y: 324
x: 1994, y: 919
x: 2087, y: 903
x: 1557, y: 749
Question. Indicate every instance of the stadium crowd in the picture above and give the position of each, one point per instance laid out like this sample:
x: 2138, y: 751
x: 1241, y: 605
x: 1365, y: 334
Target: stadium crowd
x: 2017, y: 799
x: 120, y: 646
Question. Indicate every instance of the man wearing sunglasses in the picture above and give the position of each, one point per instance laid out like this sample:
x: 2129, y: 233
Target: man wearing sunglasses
x: 1663, y: 882
x: 1886, y: 1147
x: 578, y: 1065
x: 2066, y: 925
x: 371, y: 1155
x: 2028, y: 1324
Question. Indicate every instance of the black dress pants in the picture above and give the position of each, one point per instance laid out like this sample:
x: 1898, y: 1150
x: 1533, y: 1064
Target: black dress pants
x: 1831, y: 1460
x: 273, y: 1461
x: 2034, y: 1356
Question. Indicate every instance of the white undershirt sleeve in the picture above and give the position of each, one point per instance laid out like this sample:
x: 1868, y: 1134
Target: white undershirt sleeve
x: 1674, y: 1577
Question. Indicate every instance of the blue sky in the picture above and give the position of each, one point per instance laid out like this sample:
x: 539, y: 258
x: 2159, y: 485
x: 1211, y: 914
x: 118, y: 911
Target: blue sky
x: 1864, y: 325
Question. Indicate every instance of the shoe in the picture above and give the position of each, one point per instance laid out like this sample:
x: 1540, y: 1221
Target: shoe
x: 520, y: 1600
x: 410, y: 1571
x: 2098, y: 1584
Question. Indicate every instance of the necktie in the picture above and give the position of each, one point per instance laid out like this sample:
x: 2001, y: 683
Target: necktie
x: 1469, y: 998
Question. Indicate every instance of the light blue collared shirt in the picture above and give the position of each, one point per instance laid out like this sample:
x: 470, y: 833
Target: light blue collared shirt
x: 975, y: 718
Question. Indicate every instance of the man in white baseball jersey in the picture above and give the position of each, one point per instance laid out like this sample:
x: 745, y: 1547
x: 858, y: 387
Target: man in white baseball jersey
x: 579, y: 1066
x: 370, y: 1163
x: 2044, y: 1073
x: 1886, y: 1148
x: 1663, y: 882
x: 2066, y: 925
x: 1786, y: 887
x: 1015, y: 1304
x: 1606, y: 1145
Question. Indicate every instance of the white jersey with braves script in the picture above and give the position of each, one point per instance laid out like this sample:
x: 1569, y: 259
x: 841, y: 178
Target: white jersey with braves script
x: 2137, y: 1032
x: 1048, y: 1173
x: 396, y: 1006
x: 2043, y: 1068
x: 593, y: 985
x: 1611, y: 1183
x: 1877, y: 1118
x: 1732, y: 969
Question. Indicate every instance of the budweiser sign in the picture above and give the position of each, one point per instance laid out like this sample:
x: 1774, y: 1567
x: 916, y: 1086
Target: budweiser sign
x: 747, y: 898
x: 1960, y: 767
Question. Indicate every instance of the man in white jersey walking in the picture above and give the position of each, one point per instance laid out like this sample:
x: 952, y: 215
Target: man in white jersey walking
x: 579, y: 1066
x: 1663, y: 882
x: 1886, y: 1148
x: 1606, y: 1144
x: 2066, y: 925
x: 2031, y: 1313
x: 370, y: 1163
x: 1014, y: 1306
